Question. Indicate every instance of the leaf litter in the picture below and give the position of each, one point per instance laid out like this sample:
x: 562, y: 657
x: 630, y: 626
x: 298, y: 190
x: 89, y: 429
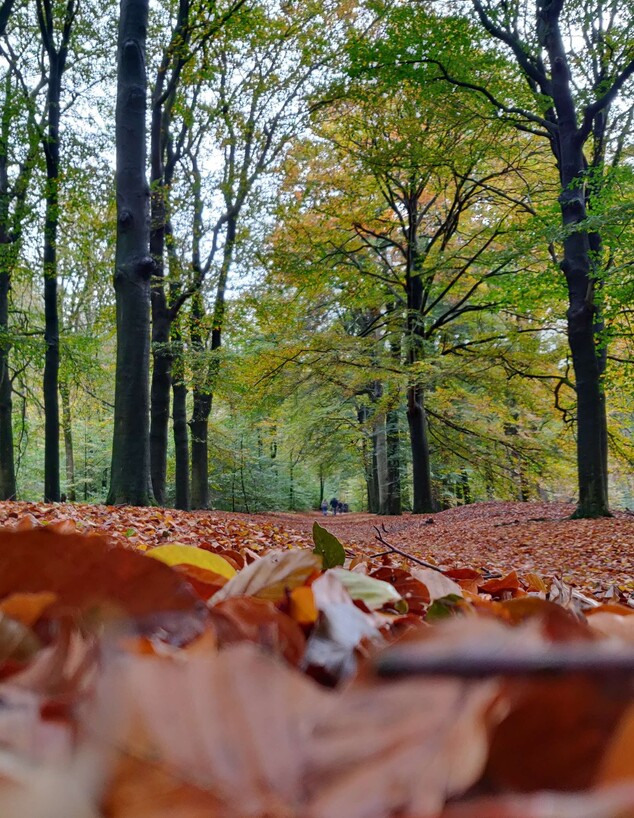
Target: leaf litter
x: 261, y: 684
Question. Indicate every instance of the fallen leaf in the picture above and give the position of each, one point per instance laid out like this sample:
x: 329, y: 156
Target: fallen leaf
x: 328, y: 547
x: 374, y: 593
x: 27, y: 608
x: 242, y: 618
x: 177, y: 554
x: 88, y: 572
x: 413, y: 591
x: 438, y: 585
x: 271, y: 576
x: 302, y: 605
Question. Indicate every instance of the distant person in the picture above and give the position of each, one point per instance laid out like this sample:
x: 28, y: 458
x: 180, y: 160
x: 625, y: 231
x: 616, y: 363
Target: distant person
x: 334, y: 505
x: 345, y: 508
x: 324, y: 507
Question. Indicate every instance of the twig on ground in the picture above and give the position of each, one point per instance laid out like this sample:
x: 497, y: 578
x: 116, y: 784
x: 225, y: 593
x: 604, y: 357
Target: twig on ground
x: 392, y: 549
x: 483, y: 661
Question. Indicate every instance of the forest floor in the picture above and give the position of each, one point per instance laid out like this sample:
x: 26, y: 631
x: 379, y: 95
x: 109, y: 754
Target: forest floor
x: 138, y: 687
x: 596, y: 556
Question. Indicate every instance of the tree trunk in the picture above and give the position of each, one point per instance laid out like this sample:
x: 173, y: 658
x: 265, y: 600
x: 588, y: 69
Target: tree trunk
x: 416, y: 417
x: 380, y: 453
x: 162, y: 172
x: 393, y: 449
x: 199, y: 427
x: 203, y: 390
x: 67, y: 430
x: 423, y: 501
x: 181, y: 433
x: 577, y: 267
x: 7, y: 465
x: 51, y: 312
x: 367, y: 454
x: 160, y: 393
x: 130, y: 473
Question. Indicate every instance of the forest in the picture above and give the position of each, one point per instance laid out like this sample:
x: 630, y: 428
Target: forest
x: 257, y: 253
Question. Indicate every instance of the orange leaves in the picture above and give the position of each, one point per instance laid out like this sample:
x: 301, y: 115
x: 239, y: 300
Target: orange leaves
x: 559, y: 728
x: 230, y: 724
x: 257, y: 620
x: 77, y: 574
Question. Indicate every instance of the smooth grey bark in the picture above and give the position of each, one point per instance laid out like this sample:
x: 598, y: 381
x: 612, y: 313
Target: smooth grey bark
x: 8, y: 488
x: 380, y: 454
x: 422, y: 495
x: 130, y: 472
x: 204, y: 387
x: 368, y: 459
x: 163, y: 162
x: 67, y: 429
x: 57, y: 57
x: 179, y: 419
x: 393, y: 504
x: 578, y: 269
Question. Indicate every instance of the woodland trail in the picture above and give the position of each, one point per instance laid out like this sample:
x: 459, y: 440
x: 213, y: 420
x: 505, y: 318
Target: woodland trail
x: 593, y: 555
x: 500, y: 537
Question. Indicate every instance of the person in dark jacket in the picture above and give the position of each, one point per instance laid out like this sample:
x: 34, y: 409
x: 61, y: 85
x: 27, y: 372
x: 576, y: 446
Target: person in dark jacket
x: 334, y: 505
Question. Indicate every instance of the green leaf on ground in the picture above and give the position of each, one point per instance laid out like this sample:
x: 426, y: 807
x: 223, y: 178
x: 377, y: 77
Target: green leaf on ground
x: 328, y: 547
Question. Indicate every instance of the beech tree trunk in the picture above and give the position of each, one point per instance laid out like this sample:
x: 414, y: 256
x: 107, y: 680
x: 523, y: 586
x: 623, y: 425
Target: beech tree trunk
x: 67, y: 429
x: 577, y: 267
x: 380, y: 451
x: 423, y: 501
x: 160, y: 393
x: 51, y: 313
x: 7, y: 465
x: 569, y: 127
x: 163, y: 161
x: 8, y: 489
x: 179, y: 421
x: 393, y: 451
x: 203, y: 390
x: 130, y: 473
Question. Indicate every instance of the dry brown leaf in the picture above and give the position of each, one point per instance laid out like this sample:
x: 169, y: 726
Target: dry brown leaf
x: 436, y: 583
x: 88, y: 572
x: 617, y: 764
x: 214, y: 722
x: 400, y: 748
x: 613, y: 624
x: 271, y: 577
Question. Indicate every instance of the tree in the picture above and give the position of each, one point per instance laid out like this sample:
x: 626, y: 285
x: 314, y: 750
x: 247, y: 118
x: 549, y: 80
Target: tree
x: 410, y: 176
x: 130, y: 472
x: 13, y: 210
x: 57, y: 54
x: 574, y: 60
x: 166, y: 150
x: 261, y: 70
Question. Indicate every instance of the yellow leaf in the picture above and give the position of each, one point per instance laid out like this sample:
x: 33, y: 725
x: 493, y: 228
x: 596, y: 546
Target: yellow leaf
x: 302, y: 605
x: 177, y: 554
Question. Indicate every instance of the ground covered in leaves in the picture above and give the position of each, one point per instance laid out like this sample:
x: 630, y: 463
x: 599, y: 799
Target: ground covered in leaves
x: 596, y: 556
x: 477, y: 663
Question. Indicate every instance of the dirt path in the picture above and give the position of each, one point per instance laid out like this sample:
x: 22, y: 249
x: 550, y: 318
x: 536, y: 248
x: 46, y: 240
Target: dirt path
x: 536, y: 537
